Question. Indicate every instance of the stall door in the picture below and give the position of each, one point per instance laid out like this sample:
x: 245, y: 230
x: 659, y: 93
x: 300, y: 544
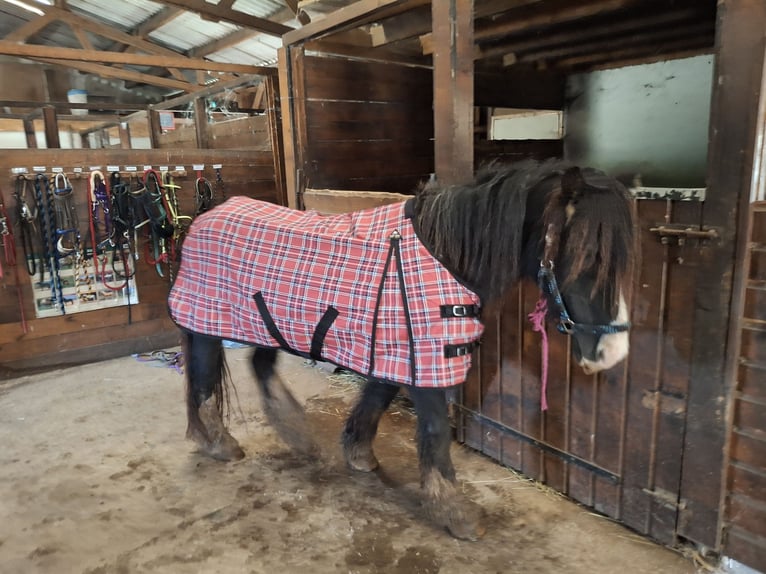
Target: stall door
x: 612, y: 441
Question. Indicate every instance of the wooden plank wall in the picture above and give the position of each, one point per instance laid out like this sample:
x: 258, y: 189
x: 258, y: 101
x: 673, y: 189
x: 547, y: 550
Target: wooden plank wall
x: 368, y: 125
x: 97, y: 335
x: 745, y: 536
x: 251, y: 132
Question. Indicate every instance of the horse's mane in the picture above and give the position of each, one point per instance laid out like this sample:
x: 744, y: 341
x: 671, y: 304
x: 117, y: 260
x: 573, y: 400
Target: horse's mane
x: 599, y: 234
x: 477, y: 229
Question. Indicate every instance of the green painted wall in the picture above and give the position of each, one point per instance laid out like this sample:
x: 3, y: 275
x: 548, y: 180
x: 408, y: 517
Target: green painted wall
x: 650, y: 119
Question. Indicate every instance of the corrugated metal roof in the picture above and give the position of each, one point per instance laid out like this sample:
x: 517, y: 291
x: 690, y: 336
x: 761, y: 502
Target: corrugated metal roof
x: 188, y: 30
x: 123, y: 14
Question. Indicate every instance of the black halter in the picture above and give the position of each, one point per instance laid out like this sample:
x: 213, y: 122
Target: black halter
x: 548, y: 284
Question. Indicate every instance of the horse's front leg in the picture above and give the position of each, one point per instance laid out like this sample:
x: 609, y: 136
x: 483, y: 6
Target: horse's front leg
x: 205, y: 370
x: 444, y: 503
x: 362, y: 425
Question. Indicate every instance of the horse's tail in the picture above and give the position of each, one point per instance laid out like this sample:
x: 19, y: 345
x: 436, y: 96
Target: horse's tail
x: 204, y: 361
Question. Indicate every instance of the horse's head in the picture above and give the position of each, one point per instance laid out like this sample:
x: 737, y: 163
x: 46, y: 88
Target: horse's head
x: 571, y: 229
x: 585, y: 252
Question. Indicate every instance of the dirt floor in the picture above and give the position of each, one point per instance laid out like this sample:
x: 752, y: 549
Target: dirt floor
x: 96, y: 477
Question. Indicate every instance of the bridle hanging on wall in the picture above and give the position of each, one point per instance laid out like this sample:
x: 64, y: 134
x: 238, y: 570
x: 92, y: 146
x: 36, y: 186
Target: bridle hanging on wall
x: 9, y: 253
x: 26, y: 217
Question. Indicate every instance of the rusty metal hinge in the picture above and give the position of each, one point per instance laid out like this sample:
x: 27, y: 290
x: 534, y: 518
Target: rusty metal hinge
x: 681, y: 232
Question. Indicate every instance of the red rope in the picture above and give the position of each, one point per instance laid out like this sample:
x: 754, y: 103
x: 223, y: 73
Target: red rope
x: 537, y: 318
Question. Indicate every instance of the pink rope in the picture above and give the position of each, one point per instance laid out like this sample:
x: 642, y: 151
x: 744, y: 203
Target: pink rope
x: 537, y: 318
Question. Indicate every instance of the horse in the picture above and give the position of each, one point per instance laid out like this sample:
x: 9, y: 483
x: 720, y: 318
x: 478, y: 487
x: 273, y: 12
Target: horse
x: 394, y: 293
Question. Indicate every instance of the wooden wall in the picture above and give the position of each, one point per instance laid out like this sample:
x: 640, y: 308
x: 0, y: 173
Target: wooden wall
x: 250, y: 132
x: 97, y: 335
x: 368, y: 125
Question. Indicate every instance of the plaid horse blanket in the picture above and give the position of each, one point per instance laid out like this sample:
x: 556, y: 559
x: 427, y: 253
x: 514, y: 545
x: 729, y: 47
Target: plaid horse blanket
x: 358, y: 290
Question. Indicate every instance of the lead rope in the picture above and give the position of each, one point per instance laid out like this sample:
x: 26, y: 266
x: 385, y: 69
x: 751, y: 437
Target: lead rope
x: 46, y: 215
x: 537, y: 319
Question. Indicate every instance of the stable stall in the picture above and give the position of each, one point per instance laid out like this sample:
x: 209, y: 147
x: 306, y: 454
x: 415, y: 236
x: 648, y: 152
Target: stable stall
x: 382, y: 95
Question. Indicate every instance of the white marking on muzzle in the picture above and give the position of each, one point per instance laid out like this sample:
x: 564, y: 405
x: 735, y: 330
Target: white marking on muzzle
x: 612, y: 348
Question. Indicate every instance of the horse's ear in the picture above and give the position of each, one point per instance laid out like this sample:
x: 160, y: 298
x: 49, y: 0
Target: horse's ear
x: 572, y: 184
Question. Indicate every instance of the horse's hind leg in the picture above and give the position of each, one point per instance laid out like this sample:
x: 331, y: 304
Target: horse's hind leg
x: 362, y: 425
x: 205, y: 371
x: 284, y: 412
x: 444, y: 503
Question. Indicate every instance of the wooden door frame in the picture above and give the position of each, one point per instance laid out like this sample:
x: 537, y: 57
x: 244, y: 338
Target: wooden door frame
x: 734, y: 108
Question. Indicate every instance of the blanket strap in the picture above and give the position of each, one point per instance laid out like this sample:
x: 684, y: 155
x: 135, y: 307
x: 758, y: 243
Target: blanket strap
x: 320, y: 331
x: 393, y: 250
x: 268, y: 320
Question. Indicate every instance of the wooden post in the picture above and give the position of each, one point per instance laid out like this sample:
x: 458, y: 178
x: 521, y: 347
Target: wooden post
x: 51, y: 127
x: 29, y: 132
x: 271, y: 86
x: 124, y: 135
x: 153, y: 119
x: 201, y: 124
x: 453, y: 90
x: 734, y: 106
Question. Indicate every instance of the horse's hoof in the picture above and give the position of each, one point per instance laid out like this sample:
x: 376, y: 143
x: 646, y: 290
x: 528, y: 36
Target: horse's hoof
x: 360, y: 458
x: 471, y: 530
x: 227, y: 449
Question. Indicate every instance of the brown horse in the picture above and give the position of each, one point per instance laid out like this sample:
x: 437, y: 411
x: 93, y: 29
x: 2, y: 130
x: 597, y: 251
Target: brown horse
x: 394, y: 294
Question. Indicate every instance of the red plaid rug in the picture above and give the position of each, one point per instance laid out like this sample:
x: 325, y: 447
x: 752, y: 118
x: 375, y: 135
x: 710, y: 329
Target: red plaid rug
x: 260, y: 273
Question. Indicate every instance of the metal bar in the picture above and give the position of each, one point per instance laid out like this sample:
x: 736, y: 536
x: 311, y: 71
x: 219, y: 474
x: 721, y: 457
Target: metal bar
x: 543, y: 446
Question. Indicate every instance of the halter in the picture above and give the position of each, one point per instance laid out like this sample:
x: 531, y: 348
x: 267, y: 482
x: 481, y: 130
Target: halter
x: 546, y: 278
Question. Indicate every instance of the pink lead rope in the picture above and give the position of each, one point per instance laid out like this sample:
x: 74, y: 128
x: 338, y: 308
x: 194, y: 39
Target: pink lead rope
x: 537, y: 318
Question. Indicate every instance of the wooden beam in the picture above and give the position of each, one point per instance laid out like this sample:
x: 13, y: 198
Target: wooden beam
x: 161, y: 61
x: 222, y: 43
x: 288, y: 107
x: 453, y: 90
x: 108, y: 72
x: 82, y: 37
x: 408, y: 25
x: 259, y: 93
x: 153, y: 119
x: 124, y: 129
x: 51, y: 128
x: 68, y: 105
x: 352, y: 16
x: 638, y: 54
x: 273, y: 112
x: 30, y: 28
x: 547, y: 18
x: 607, y: 30
x: 654, y: 39
x: 29, y: 132
x: 218, y: 13
x: 157, y: 20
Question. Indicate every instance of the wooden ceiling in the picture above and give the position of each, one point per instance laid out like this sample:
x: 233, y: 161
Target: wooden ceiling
x: 570, y: 35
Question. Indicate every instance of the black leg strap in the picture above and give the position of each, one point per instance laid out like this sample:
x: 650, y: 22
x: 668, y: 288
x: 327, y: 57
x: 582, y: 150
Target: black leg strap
x: 317, y: 341
x: 268, y: 320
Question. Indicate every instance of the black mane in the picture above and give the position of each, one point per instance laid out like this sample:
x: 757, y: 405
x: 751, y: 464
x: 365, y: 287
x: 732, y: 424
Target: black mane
x: 479, y: 229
